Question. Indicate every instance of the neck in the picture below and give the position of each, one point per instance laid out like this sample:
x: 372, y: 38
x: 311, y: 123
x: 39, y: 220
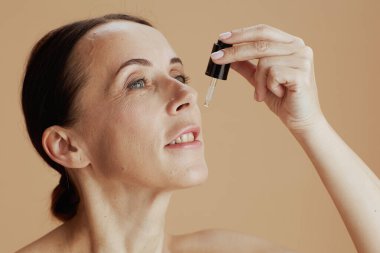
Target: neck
x: 113, y: 217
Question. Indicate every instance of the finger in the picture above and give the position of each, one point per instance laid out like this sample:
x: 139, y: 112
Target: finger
x: 281, y: 78
x: 257, y: 33
x: 260, y: 80
x: 257, y: 75
x: 263, y: 66
x: 275, y: 81
x: 246, y: 69
x: 254, y: 50
x: 293, y: 61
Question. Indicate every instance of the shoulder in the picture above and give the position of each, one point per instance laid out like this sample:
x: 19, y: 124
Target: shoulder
x: 49, y: 243
x: 223, y: 241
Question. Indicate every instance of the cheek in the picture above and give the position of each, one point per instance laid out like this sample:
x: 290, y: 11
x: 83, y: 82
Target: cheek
x: 130, y: 142
x: 137, y: 127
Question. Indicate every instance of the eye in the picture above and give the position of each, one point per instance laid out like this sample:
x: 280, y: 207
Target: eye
x: 183, y: 78
x: 138, y: 84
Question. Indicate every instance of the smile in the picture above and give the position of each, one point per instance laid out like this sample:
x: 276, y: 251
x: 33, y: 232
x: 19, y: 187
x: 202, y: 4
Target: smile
x: 188, y: 137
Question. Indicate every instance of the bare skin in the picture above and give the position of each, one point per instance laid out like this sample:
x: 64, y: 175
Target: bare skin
x: 124, y: 197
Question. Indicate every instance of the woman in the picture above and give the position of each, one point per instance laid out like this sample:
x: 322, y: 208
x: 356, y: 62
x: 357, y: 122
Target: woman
x: 106, y: 105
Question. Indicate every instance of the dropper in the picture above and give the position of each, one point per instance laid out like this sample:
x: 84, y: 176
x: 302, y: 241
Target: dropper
x: 210, y: 91
x: 216, y: 71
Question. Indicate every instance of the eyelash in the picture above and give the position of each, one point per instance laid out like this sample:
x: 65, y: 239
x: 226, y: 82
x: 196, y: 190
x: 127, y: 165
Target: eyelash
x: 185, y: 78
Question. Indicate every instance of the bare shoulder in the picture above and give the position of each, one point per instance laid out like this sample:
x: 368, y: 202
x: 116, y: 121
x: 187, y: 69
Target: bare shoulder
x: 49, y: 243
x: 223, y: 241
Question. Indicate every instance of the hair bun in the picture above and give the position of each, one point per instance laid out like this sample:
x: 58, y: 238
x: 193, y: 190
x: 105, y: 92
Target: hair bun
x: 65, y: 199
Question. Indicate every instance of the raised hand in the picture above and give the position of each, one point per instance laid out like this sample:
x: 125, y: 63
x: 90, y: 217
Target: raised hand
x: 284, y: 75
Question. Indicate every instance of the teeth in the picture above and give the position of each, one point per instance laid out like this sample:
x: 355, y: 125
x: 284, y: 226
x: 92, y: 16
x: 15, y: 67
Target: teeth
x: 184, y: 138
x: 189, y: 137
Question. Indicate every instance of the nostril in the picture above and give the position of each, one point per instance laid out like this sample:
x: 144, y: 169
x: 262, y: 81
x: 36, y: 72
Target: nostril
x: 182, y: 106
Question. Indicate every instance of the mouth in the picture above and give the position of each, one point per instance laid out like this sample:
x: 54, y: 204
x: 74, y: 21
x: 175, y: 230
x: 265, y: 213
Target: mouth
x: 188, y: 135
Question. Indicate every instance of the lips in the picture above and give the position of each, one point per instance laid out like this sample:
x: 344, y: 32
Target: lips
x: 195, y: 130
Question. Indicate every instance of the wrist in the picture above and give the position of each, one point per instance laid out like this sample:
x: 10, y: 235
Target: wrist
x: 314, y: 127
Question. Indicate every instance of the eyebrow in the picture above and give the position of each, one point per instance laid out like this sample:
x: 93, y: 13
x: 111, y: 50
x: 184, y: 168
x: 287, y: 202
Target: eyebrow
x: 144, y: 62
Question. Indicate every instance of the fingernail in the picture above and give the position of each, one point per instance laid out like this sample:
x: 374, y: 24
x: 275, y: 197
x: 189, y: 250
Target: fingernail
x: 217, y: 55
x: 225, y: 35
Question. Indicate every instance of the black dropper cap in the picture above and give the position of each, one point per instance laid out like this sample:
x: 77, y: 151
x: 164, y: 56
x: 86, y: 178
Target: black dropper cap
x: 216, y: 70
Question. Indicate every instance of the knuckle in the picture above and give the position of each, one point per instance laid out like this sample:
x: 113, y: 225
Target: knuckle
x: 261, y: 27
x: 274, y: 77
x: 299, y: 41
x: 308, y: 51
x: 261, y: 45
x: 233, y: 52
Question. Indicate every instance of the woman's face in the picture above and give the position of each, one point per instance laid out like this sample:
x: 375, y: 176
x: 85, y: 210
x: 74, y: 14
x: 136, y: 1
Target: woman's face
x: 134, y: 104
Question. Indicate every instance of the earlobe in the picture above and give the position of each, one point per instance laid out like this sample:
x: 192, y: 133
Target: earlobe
x: 62, y: 148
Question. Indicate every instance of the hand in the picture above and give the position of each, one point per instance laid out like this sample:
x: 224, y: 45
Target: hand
x: 284, y: 75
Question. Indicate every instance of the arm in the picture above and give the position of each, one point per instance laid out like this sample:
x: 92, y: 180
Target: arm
x: 354, y: 188
x: 284, y: 79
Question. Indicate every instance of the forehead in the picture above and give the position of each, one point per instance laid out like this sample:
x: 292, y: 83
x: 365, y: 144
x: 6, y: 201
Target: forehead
x: 117, y: 41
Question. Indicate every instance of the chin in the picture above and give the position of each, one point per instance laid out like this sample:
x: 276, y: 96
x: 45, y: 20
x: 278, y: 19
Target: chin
x: 191, y: 176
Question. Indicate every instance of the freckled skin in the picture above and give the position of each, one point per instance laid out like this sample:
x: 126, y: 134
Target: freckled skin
x: 125, y: 131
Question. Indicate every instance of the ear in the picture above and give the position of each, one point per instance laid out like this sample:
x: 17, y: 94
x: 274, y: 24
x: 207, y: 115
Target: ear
x: 61, y: 146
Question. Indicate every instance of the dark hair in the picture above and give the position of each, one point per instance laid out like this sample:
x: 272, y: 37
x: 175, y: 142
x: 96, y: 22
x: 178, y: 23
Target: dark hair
x: 51, y: 83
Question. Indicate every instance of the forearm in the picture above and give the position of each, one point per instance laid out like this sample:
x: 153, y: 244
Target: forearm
x: 354, y: 188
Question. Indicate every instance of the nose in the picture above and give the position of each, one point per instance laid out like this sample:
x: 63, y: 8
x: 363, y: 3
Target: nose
x: 183, y: 97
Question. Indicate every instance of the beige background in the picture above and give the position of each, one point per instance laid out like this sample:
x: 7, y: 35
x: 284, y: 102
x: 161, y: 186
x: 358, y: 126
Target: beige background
x: 260, y: 181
